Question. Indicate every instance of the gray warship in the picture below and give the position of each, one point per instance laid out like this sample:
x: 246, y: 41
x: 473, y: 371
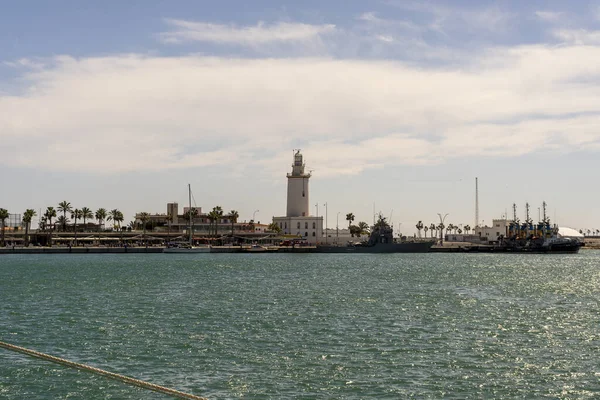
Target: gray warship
x: 381, y: 240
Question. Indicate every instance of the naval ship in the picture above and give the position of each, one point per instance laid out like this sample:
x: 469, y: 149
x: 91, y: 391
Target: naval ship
x: 381, y: 240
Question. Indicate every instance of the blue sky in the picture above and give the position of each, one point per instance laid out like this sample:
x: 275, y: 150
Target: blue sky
x: 394, y: 103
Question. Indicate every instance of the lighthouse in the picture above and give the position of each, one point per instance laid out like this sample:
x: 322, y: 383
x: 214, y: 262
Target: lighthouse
x: 297, y: 193
x: 298, y: 223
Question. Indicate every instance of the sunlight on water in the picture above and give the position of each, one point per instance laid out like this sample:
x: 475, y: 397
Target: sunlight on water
x: 314, y: 326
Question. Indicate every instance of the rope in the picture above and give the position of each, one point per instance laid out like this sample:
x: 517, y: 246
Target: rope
x: 98, y: 371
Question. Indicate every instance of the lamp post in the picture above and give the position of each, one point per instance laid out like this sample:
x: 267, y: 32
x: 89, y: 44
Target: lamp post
x: 317, y: 207
x: 254, y: 214
x: 442, y: 226
x: 400, y: 230
x: 337, y: 229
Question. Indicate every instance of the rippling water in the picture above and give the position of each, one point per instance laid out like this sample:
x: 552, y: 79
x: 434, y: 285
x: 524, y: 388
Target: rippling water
x: 264, y: 326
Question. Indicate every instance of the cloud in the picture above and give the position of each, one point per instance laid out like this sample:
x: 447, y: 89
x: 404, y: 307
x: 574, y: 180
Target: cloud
x: 549, y: 16
x: 140, y: 113
x: 578, y: 36
x: 447, y: 20
x: 260, y: 34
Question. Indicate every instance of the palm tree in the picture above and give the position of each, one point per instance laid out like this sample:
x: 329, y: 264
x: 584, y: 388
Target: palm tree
x: 273, y: 226
x: 3, y: 218
x: 64, y: 207
x: 449, y: 228
x: 251, y: 225
x: 49, y: 214
x: 425, y: 228
x: 233, y: 215
x: 115, y: 216
x: 467, y: 229
x: 419, y: 226
x: 144, y: 217
x: 27, y: 217
x: 212, y: 217
x: 75, y: 215
x: 62, y: 221
x: 218, y: 213
x: 440, y: 228
x: 363, y: 228
x: 100, y: 215
x: 85, y: 214
x: 350, y: 219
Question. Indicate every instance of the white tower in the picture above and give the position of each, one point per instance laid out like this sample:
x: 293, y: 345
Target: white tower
x: 297, y: 195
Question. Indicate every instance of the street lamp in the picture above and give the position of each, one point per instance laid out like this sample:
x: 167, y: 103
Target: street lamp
x: 337, y: 228
x: 254, y: 214
x: 442, y: 226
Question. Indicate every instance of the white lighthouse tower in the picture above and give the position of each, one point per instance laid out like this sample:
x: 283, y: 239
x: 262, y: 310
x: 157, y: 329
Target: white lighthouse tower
x: 298, y: 223
x: 297, y: 194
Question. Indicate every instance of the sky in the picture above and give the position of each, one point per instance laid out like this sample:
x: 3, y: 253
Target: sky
x: 397, y: 106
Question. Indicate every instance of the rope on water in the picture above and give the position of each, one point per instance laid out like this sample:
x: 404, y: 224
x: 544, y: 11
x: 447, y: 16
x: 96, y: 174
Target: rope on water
x: 98, y: 371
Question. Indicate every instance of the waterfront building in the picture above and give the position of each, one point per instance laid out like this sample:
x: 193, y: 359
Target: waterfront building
x: 298, y: 221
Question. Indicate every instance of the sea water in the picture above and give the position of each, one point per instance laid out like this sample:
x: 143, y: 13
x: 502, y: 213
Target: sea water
x: 273, y: 326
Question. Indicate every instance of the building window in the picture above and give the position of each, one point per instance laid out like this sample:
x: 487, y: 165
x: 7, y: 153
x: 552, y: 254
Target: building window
x: 286, y: 225
x: 281, y: 225
x: 314, y: 225
x: 314, y: 234
x: 305, y: 233
x: 298, y: 224
x: 304, y: 214
x: 306, y: 225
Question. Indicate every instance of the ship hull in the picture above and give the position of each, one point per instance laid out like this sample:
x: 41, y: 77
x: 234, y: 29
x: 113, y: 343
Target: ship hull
x: 408, y: 247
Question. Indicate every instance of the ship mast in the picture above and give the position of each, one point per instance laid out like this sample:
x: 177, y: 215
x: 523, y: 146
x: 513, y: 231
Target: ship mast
x: 190, y: 211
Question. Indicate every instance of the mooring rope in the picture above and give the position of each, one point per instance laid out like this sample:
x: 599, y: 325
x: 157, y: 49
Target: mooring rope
x: 98, y: 371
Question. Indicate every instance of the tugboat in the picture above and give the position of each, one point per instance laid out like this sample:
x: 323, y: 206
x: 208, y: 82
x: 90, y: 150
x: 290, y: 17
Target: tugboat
x: 536, y: 238
x: 381, y: 240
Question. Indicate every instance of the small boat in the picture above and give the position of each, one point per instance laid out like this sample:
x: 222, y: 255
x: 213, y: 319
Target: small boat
x: 188, y: 247
x: 256, y: 248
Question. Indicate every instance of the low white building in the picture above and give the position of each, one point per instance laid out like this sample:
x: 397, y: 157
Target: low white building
x: 492, y: 233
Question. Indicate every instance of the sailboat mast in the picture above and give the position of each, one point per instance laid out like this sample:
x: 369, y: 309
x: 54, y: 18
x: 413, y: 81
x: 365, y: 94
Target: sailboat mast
x: 190, y: 210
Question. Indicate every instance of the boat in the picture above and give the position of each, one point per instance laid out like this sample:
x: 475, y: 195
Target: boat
x: 189, y: 246
x: 381, y: 240
x: 542, y: 237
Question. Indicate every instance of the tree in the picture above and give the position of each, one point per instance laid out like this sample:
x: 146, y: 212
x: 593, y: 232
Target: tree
x: 251, y: 225
x: 144, y: 217
x: 274, y: 226
x: 363, y: 228
x: 212, y: 217
x: 350, y: 219
x: 49, y: 214
x: 116, y: 216
x: 432, y: 230
x: 100, y: 215
x: 64, y: 207
x: 62, y: 220
x: 459, y: 231
x: 3, y: 218
x: 27, y: 217
x: 218, y: 212
x: 75, y: 215
x: 419, y: 226
x: 85, y: 214
x: 233, y: 215
x: 467, y: 229
x: 354, y: 230
x: 425, y: 229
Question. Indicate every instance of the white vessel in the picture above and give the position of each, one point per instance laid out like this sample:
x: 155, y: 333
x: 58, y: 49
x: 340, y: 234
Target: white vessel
x: 188, y: 247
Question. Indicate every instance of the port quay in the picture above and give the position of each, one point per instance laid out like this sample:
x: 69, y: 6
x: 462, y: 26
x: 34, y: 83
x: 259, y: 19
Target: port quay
x: 297, y: 231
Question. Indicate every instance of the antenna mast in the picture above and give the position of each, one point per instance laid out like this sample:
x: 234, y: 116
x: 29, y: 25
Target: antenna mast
x: 527, y: 213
